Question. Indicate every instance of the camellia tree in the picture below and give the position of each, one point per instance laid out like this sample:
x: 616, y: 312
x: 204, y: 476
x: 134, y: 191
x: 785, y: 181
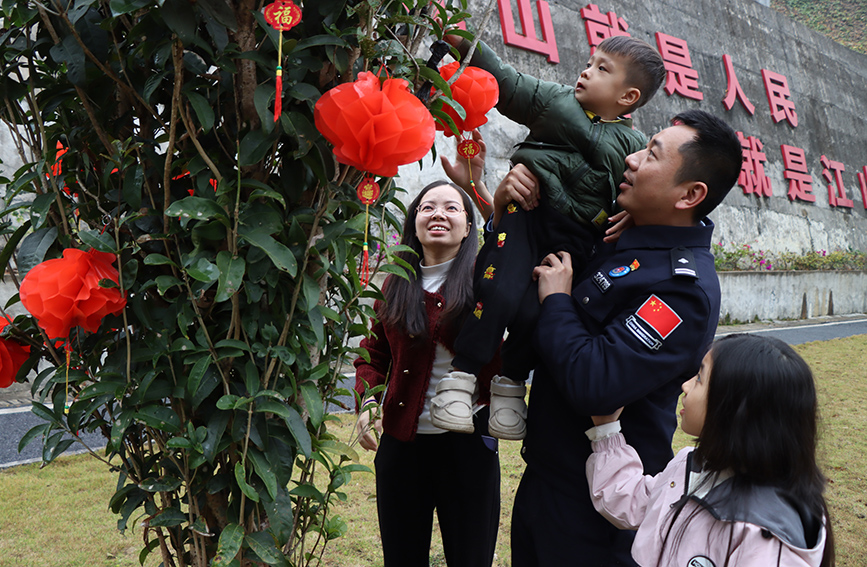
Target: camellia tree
x: 190, y: 255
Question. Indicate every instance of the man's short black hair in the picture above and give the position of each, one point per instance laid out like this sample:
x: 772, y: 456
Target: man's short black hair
x: 713, y: 156
x: 645, y: 68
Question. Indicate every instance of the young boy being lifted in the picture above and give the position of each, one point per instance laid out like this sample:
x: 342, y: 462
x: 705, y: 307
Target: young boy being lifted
x: 576, y: 148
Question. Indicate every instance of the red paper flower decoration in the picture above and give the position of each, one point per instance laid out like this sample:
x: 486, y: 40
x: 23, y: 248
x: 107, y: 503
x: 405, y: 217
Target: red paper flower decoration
x: 12, y: 356
x: 65, y: 292
x: 375, y: 128
x: 476, y: 90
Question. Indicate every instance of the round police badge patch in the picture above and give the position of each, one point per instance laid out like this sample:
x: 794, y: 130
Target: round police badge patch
x: 700, y: 561
x: 619, y: 272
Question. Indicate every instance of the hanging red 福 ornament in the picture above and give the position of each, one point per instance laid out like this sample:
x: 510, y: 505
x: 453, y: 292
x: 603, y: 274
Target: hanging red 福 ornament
x: 368, y: 193
x: 64, y: 292
x: 374, y: 127
x: 12, y: 357
x: 282, y: 15
x: 476, y: 91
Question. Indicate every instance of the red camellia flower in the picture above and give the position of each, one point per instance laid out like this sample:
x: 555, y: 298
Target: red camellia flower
x: 375, y: 128
x: 12, y: 356
x: 476, y: 90
x: 65, y: 292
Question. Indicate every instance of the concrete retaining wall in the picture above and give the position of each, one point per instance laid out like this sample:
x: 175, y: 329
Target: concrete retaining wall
x: 791, y: 295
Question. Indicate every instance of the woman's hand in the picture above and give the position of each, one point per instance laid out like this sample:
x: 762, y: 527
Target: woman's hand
x: 619, y: 222
x: 366, y: 436
x: 603, y: 419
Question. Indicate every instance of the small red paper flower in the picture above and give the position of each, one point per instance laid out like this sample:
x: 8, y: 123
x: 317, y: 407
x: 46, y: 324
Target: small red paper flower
x: 12, y: 356
x: 476, y: 90
x: 64, y: 292
x: 375, y: 128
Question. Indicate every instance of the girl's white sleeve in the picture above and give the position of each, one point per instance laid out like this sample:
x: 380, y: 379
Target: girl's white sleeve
x: 618, y: 486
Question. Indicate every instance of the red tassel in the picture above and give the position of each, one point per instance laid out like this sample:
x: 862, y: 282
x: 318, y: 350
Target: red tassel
x: 278, y: 102
x: 364, y: 278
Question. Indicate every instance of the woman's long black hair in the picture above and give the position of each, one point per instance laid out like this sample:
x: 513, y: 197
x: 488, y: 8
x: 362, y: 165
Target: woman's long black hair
x: 762, y: 423
x: 404, y: 300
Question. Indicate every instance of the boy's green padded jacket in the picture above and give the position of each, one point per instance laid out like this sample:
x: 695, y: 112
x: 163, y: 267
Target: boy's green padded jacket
x: 579, y: 160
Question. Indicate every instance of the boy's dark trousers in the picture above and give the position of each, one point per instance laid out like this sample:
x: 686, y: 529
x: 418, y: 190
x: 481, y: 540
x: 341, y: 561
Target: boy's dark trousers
x: 506, y: 295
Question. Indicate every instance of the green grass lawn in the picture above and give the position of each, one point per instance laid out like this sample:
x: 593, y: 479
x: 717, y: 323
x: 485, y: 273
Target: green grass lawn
x: 58, y: 516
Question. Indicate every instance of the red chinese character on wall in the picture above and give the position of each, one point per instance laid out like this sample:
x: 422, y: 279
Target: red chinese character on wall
x: 526, y: 38
x: 681, y: 77
x: 777, y: 89
x: 733, y: 88
x: 601, y: 26
x: 800, y: 180
x: 752, y: 177
x: 833, y: 173
x: 862, y: 184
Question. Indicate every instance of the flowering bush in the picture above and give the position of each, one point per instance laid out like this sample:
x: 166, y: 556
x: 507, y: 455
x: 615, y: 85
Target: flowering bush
x: 745, y: 257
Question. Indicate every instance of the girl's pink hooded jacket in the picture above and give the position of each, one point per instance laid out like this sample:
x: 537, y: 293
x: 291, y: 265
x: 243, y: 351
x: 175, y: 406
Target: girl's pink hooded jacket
x: 766, y: 529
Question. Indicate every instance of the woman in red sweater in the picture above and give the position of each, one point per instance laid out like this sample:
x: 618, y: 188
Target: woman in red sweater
x: 419, y: 467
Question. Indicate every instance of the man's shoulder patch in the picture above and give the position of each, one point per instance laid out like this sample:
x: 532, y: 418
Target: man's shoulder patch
x: 683, y: 263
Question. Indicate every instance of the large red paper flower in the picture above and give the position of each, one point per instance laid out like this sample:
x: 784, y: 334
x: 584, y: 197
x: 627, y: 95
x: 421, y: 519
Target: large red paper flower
x: 375, y: 128
x: 12, y: 356
x: 65, y: 292
x: 476, y: 90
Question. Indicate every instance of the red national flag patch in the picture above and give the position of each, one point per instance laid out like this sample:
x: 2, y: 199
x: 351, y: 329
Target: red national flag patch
x: 658, y: 315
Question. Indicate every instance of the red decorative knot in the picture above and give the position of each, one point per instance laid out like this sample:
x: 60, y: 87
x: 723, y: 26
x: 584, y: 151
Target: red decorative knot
x: 283, y: 15
x: 368, y: 191
x: 469, y: 149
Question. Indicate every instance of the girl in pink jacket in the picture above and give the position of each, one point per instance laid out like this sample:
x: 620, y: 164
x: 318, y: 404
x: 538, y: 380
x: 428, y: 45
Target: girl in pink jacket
x: 750, y: 493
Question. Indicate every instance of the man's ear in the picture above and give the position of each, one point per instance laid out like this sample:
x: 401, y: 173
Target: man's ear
x: 694, y: 192
x: 630, y: 97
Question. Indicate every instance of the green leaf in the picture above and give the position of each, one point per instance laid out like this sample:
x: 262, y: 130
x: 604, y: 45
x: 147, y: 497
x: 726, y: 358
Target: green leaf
x: 160, y: 417
x: 203, y: 271
x: 160, y: 484
x: 277, y: 252
x: 315, y: 406
x: 308, y: 491
x: 40, y: 207
x: 99, y: 240
x: 158, y: 260
x: 165, y: 283
x: 33, y: 249
x: 11, y: 245
x: 203, y: 110
x: 227, y: 402
x: 168, y: 518
x: 433, y: 76
x: 196, y: 374
x: 54, y: 446
x: 264, y: 471
x: 41, y: 411
x: 299, y: 431
x: 197, y: 208
x: 228, y: 545
x: 231, y: 275
x: 42, y: 429
x: 255, y: 145
x: 248, y: 490
x: 263, y: 545
x: 120, y: 7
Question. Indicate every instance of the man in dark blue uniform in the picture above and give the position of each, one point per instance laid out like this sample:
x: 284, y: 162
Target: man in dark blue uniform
x: 630, y: 331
